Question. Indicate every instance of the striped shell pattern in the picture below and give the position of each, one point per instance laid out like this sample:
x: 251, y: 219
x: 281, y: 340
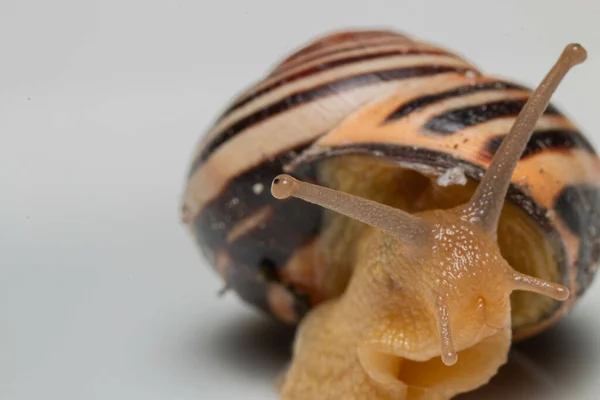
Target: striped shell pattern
x: 384, y: 94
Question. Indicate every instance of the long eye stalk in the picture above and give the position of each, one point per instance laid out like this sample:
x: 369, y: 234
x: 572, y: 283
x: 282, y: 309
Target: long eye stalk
x: 486, y: 204
x: 401, y: 224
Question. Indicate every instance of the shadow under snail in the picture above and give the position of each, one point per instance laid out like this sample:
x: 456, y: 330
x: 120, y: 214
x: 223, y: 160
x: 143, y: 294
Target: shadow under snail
x: 422, y: 216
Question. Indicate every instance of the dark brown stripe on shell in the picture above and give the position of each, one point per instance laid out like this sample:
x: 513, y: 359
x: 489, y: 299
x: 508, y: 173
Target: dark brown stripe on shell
x: 455, y: 120
x: 257, y: 254
x: 294, y: 224
x: 243, y: 196
x: 320, y: 68
x: 425, y: 101
x: 309, y: 95
x: 554, y: 139
x: 339, y: 38
x: 249, y: 286
x: 392, y: 40
x: 579, y: 207
x: 251, y: 190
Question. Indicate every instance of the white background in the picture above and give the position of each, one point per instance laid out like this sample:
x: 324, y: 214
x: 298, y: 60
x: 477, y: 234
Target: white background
x: 102, y: 293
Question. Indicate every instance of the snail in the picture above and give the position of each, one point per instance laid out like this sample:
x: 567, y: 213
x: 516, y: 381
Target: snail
x: 412, y: 215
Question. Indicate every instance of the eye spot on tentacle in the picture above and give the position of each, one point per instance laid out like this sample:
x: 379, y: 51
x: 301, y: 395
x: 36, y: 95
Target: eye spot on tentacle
x: 284, y: 186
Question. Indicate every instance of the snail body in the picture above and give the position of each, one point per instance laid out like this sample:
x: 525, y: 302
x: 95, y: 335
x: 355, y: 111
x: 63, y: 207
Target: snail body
x: 392, y: 244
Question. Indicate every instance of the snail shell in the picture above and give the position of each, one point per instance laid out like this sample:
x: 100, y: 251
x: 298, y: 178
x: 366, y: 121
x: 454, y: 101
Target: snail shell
x: 375, y: 102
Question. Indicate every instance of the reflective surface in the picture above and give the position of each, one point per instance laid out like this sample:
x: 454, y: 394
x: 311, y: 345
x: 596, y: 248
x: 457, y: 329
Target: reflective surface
x: 102, y: 293
x: 561, y: 363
